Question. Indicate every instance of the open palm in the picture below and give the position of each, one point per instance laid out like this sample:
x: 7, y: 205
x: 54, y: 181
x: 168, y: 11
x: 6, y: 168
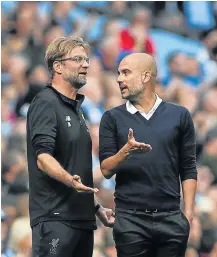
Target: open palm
x: 137, y: 146
x: 77, y: 184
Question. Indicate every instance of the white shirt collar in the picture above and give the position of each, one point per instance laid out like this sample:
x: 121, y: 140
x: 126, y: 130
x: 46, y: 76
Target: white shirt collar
x: 132, y: 109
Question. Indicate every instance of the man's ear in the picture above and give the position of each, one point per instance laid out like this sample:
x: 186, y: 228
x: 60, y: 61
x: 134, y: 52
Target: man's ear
x: 57, y: 67
x: 146, y: 76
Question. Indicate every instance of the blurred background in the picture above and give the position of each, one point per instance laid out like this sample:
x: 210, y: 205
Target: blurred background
x: 182, y: 36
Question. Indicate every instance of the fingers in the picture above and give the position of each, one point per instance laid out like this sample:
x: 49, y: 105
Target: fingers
x: 95, y: 190
x: 137, y: 145
x: 130, y: 135
x: 111, y: 221
x: 87, y: 189
x: 141, y: 147
x: 147, y: 148
x: 111, y: 213
x: 76, y: 183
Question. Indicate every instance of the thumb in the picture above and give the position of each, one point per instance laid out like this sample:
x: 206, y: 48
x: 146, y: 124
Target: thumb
x: 130, y: 135
x: 76, y: 177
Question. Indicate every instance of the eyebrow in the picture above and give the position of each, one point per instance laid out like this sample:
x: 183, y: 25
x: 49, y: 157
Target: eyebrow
x: 123, y: 70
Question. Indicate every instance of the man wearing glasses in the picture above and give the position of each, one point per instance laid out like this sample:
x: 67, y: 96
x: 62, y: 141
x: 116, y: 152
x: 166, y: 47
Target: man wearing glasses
x: 59, y: 147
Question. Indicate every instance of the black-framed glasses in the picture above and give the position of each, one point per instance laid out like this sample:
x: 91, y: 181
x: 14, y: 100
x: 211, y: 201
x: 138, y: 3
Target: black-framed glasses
x: 77, y: 59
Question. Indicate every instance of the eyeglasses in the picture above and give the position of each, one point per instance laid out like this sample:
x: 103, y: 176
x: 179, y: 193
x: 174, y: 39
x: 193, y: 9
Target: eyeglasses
x: 77, y: 59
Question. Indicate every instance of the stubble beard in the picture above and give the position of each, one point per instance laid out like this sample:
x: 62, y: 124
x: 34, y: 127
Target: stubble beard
x: 133, y: 96
x: 76, y: 82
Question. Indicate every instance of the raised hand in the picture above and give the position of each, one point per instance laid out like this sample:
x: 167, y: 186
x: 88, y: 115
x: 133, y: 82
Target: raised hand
x: 77, y: 184
x: 133, y: 145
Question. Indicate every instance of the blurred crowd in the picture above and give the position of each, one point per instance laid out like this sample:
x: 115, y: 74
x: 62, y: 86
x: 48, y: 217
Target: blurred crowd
x: 113, y: 29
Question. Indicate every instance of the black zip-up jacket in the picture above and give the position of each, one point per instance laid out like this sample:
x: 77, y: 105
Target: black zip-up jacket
x: 55, y: 125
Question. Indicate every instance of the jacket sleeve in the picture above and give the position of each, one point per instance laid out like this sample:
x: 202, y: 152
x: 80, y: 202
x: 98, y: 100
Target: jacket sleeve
x: 42, y: 123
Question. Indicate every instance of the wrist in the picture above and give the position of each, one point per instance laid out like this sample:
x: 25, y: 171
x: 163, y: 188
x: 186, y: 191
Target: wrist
x: 189, y: 213
x: 124, y: 152
x: 68, y: 179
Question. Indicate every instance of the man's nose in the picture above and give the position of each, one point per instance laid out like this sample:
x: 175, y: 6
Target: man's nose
x: 119, y: 79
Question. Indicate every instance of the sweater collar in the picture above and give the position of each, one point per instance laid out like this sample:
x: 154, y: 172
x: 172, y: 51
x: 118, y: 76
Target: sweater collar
x: 132, y: 109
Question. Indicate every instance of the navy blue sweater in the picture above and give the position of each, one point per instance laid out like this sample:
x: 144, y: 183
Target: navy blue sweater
x: 150, y: 180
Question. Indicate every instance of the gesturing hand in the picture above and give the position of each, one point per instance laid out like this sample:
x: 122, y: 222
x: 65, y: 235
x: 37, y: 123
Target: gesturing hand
x: 77, y: 184
x: 106, y: 216
x: 133, y: 145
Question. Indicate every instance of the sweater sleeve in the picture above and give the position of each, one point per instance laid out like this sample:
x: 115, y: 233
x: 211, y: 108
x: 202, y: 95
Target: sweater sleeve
x: 188, y: 169
x: 107, y: 137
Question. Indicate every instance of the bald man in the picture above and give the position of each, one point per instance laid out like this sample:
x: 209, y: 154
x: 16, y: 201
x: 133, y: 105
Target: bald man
x: 150, y: 145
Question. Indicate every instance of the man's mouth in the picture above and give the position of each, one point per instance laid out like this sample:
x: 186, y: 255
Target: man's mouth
x: 83, y: 73
x: 122, y: 87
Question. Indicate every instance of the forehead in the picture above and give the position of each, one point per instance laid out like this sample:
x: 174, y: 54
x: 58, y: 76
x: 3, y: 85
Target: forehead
x: 129, y: 64
x: 125, y: 64
x: 78, y: 50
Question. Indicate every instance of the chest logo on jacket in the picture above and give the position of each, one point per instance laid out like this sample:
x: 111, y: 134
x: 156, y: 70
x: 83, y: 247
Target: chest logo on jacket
x: 68, y: 119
